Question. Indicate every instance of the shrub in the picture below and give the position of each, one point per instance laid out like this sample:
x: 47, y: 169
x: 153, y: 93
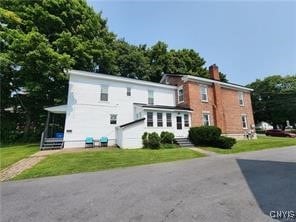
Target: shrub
x: 204, y: 135
x: 169, y: 146
x: 153, y: 140
x: 145, y: 140
x: 167, y: 137
x: 224, y: 142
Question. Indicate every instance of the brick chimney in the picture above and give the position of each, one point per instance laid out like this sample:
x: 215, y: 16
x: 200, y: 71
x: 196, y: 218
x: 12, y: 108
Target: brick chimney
x: 214, y: 72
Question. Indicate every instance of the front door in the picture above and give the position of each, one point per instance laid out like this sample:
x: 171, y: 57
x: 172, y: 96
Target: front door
x: 179, y: 122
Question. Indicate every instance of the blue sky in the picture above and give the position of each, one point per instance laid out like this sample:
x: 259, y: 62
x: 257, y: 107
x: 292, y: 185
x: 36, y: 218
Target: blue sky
x: 247, y: 40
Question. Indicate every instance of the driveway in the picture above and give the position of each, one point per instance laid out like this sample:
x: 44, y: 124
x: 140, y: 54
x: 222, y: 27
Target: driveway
x: 241, y: 187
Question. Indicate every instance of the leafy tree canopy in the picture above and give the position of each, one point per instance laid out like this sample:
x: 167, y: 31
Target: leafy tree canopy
x: 42, y: 38
x: 274, y: 99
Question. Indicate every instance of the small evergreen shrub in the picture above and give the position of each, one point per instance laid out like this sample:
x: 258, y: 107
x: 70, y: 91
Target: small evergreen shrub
x: 167, y: 137
x: 145, y: 140
x: 204, y: 135
x: 153, y: 140
x: 224, y: 142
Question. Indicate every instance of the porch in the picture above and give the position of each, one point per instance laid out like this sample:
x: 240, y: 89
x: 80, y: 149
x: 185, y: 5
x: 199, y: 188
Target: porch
x: 53, y: 135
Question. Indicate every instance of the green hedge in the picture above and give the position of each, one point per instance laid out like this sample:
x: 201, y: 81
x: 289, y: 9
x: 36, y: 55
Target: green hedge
x: 210, y: 136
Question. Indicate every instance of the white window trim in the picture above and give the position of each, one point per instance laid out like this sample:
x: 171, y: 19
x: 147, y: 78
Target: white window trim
x: 101, y: 88
x: 246, y: 118
x: 206, y: 87
x: 188, y: 120
x: 206, y: 113
x: 180, y: 88
x: 239, y: 98
x: 171, y: 120
x: 115, y: 119
x: 150, y: 90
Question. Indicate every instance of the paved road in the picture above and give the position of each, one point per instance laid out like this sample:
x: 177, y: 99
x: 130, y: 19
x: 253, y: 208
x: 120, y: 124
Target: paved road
x: 243, y: 187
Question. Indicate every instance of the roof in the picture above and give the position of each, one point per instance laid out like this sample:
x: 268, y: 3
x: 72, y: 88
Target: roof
x: 119, y: 79
x: 131, y: 123
x: 57, y: 109
x: 177, y: 108
x: 207, y: 80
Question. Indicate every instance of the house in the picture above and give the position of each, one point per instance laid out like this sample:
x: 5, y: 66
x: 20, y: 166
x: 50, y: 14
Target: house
x: 122, y: 109
x: 264, y: 126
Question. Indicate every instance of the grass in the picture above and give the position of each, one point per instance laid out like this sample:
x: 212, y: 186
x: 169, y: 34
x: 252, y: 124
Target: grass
x: 14, y: 153
x: 69, y: 163
x: 263, y: 142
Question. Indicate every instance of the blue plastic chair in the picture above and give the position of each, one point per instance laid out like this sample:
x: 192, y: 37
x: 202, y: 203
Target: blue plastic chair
x: 89, y: 142
x: 104, y: 141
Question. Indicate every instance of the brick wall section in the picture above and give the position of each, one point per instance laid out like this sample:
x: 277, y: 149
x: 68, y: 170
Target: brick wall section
x: 233, y: 111
x: 223, y: 105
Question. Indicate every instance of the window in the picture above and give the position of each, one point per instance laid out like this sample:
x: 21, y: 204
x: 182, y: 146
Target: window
x: 150, y: 97
x: 180, y: 95
x: 149, y: 118
x: 169, y: 119
x: 104, y: 93
x: 244, y: 122
x: 186, y: 120
x: 128, y: 91
x: 159, y: 120
x: 241, y: 98
x: 204, y: 93
x: 113, y: 119
x: 206, y: 119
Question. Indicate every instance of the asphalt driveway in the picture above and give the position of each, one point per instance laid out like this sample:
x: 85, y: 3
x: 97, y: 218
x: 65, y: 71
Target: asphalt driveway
x: 241, y: 187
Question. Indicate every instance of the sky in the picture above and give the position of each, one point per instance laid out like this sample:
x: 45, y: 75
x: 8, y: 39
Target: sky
x: 247, y: 40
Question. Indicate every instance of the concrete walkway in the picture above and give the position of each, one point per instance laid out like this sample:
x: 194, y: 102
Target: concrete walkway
x: 24, y: 164
x: 208, y: 153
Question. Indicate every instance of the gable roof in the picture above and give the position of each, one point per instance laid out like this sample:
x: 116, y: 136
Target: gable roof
x: 119, y: 79
x: 206, y: 81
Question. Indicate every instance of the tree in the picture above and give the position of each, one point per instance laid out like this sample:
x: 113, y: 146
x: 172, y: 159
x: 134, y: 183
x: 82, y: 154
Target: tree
x: 39, y: 40
x: 274, y: 99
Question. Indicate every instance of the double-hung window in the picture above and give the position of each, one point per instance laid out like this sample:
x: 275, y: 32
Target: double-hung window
x: 206, y: 119
x: 159, y: 120
x: 169, y: 120
x: 180, y: 95
x: 113, y: 119
x: 186, y: 120
x: 241, y: 98
x: 244, y: 121
x: 104, y: 93
x: 128, y: 91
x: 150, y: 97
x: 204, y: 93
x: 150, y: 119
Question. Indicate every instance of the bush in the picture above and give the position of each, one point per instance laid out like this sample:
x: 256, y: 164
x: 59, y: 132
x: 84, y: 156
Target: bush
x: 224, y: 142
x: 145, y: 140
x: 169, y: 146
x: 167, y: 137
x: 153, y: 140
x: 204, y: 135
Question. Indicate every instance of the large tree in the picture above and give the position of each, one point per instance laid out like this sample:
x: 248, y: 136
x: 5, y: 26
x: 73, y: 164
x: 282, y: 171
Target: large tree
x: 39, y: 39
x: 274, y: 99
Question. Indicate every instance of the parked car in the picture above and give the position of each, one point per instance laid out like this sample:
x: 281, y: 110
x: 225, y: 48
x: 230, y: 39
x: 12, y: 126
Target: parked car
x: 281, y: 133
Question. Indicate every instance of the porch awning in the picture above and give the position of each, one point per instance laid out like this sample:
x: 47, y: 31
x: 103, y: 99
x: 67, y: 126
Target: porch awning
x: 57, y: 109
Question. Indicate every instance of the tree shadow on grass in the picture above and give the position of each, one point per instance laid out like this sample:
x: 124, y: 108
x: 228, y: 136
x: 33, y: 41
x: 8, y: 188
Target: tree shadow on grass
x: 272, y: 183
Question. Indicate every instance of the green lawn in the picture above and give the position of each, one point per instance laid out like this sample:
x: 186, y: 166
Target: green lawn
x: 12, y: 154
x: 68, y: 163
x: 263, y: 142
